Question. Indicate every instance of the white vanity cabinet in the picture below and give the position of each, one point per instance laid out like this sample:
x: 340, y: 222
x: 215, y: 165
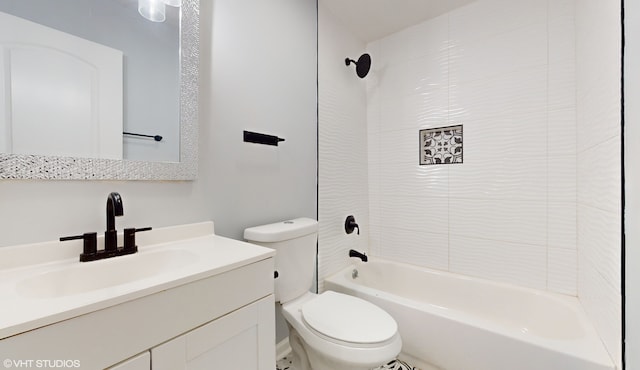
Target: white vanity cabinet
x: 217, y: 312
x: 139, y: 362
x: 243, y: 339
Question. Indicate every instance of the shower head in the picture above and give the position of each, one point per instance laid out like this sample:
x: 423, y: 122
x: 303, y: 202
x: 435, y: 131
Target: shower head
x: 362, y: 65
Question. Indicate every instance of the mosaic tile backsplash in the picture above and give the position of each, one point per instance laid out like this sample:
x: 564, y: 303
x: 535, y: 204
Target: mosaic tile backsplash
x: 441, y: 145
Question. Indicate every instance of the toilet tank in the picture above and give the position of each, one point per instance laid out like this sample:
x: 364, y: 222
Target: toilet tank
x: 295, y: 244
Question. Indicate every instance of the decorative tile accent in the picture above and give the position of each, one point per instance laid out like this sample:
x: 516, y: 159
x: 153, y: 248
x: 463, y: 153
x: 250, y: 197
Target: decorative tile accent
x: 441, y: 145
x: 285, y: 363
x: 397, y: 365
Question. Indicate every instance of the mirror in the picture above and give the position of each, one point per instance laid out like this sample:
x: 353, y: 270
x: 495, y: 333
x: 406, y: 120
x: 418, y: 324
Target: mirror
x: 159, y: 98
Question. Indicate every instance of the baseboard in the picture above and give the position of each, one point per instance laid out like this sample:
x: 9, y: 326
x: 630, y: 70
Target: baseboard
x: 283, y: 348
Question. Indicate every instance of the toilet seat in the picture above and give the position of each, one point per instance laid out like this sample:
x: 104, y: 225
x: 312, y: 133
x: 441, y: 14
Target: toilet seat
x: 348, y: 319
x: 355, y: 355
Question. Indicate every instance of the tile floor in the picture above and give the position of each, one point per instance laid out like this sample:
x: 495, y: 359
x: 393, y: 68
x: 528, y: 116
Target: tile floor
x: 288, y: 363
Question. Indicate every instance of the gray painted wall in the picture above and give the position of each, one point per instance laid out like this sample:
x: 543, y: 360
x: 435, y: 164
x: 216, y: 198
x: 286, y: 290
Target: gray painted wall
x: 263, y: 79
x: 257, y: 72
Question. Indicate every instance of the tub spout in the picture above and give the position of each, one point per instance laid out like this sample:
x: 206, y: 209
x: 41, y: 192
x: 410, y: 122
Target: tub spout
x: 362, y: 256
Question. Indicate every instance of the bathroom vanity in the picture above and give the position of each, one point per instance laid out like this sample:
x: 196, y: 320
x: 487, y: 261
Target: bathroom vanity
x: 187, y: 298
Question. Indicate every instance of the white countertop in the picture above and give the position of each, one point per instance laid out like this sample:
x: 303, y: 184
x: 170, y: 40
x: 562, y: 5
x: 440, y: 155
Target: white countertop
x: 206, y: 254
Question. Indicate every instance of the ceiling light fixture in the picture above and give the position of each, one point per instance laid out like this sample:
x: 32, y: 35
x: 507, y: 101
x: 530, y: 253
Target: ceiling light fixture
x: 152, y: 10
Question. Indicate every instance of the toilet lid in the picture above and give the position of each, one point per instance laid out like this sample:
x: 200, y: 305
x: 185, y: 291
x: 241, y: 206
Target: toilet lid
x: 348, y: 319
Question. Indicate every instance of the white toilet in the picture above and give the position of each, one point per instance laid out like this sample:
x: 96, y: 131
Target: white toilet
x: 328, y: 331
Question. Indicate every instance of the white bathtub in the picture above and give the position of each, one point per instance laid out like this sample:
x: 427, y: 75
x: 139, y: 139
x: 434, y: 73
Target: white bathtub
x: 454, y: 322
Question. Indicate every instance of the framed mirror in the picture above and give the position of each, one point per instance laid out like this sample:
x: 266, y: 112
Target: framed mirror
x: 141, y: 112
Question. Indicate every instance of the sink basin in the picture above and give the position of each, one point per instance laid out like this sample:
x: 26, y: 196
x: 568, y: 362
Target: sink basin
x: 90, y: 276
x: 43, y: 283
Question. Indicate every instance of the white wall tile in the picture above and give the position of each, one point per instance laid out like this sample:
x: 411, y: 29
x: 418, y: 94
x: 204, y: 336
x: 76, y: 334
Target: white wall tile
x: 561, y: 224
x: 603, y: 307
x: 518, y: 113
x: 429, y: 38
x: 427, y: 108
x: 399, y: 146
x: 334, y: 243
x: 599, y: 175
x: 394, y: 49
x: 517, y: 221
x: 599, y: 242
x: 499, y: 178
x: 632, y: 185
x: 373, y: 164
x: 562, y: 178
x: 598, y: 156
x: 562, y: 61
x: 411, y: 179
x: 598, y: 111
x: 375, y: 213
x: 562, y: 39
x: 422, y: 248
x: 394, y: 81
x: 563, y: 271
x: 415, y: 213
x: 484, y: 18
x: 514, y: 263
x: 342, y: 150
x: 498, y: 55
x: 373, y: 107
x: 598, y: 42
x: 506, y: 95
x: 561, y: 132
x: 375, y: 247
x: 598, y: 48
x: 502, y: 159
x: 562, y: 58
x: 561, y: 82
x: 559, y: 8
x: 427, y: 72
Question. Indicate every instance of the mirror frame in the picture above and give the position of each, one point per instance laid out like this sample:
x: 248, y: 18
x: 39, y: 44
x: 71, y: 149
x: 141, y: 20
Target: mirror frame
x: 15, y: 166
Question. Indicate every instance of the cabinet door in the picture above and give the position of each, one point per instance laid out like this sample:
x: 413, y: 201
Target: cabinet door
x: 243, y: 339
x: 139, y: 362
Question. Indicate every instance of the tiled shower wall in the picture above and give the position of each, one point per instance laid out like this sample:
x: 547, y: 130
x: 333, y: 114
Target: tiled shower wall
x: 536, y: 202
x: 342, y: 146
x: 505, y: 70
x: 599, y: 173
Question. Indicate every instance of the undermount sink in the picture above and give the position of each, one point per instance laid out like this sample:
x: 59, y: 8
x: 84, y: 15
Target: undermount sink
x: 90, y: 276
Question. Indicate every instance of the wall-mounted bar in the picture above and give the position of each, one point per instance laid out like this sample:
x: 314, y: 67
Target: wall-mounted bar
x: 155, y: 137
x: 255, y: 137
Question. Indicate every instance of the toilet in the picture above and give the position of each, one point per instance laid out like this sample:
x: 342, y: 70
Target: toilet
x: 327, y: 331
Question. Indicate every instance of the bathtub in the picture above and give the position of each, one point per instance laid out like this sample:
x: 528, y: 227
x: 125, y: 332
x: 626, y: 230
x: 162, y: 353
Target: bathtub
x: 455, y: 322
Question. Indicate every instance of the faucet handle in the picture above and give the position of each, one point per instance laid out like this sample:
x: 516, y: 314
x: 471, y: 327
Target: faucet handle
x: 350, y: 224
x: 130, y: 238
x: 89, y: 245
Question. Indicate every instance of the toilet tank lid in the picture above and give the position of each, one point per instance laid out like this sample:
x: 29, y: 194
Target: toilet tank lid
x: 281, y: 231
